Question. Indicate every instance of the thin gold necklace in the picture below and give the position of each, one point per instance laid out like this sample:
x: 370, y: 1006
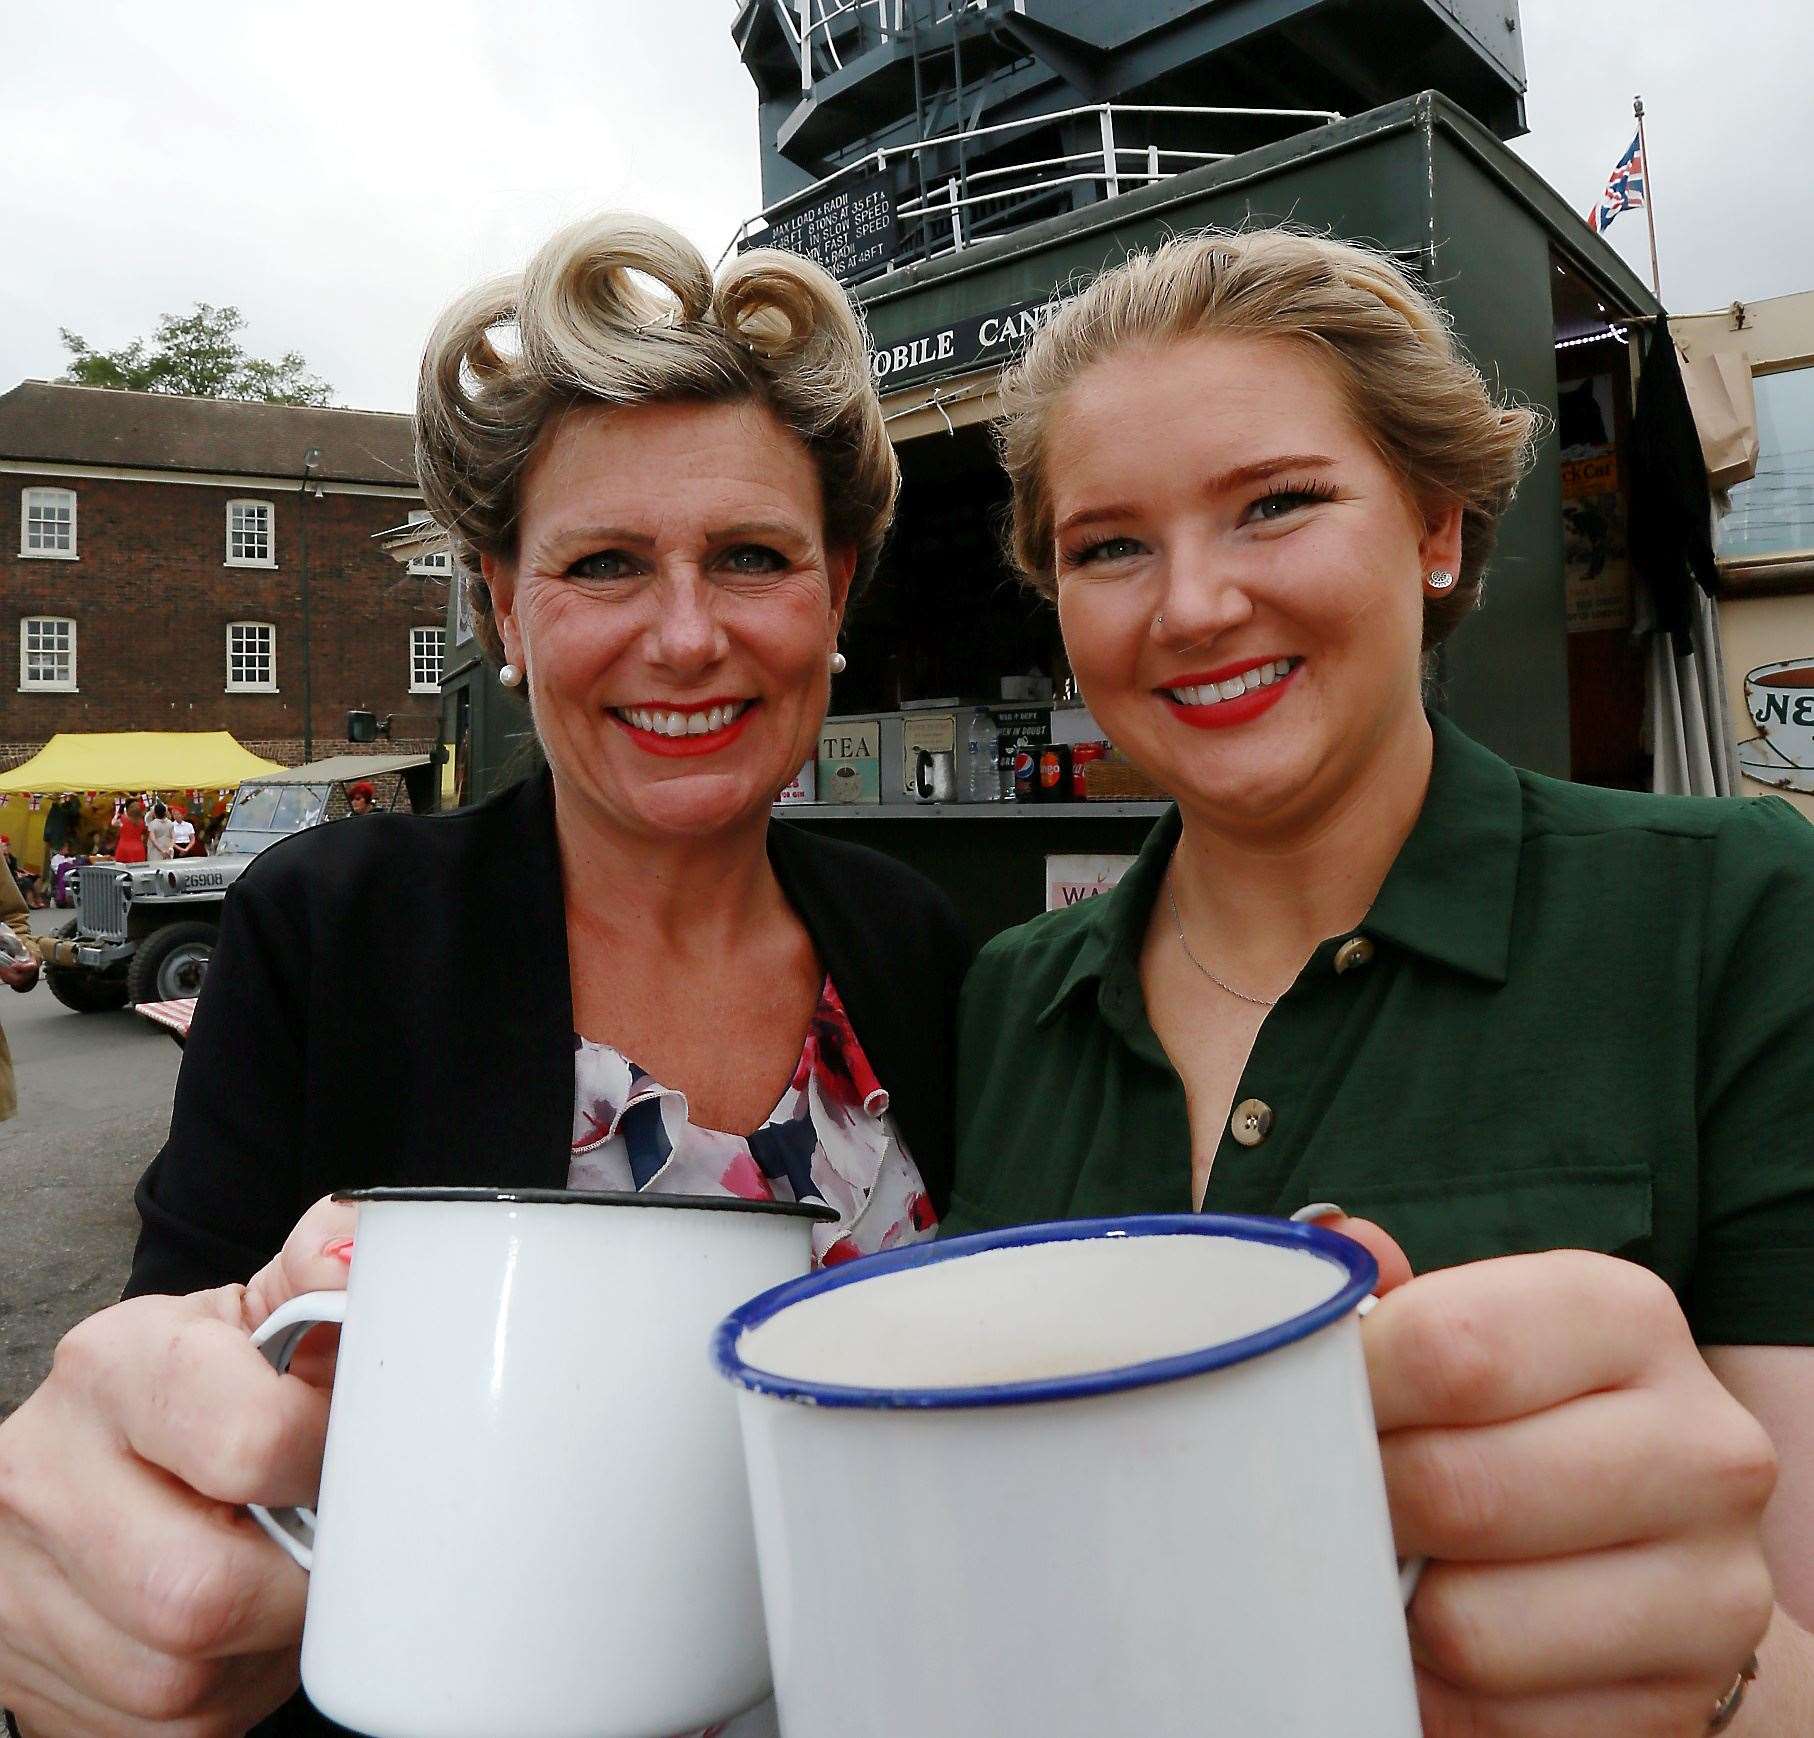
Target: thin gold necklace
x: 1171, y: 899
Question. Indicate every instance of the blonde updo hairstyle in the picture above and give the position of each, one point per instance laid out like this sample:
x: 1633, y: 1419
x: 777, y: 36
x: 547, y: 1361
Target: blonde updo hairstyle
x: 621, y: 310
x: 1424, y: 406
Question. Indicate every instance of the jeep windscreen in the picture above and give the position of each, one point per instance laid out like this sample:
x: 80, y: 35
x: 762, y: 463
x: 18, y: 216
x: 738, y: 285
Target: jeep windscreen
x: 263, y: 814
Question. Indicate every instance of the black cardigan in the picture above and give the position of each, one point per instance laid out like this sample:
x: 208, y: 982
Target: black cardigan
x: 389, y: 1003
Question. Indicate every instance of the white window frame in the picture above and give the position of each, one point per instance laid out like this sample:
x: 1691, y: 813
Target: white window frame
x: 1749, y: 560
x: 269, y: 687
x: 269, y: 559
x: 27, y: 685
x: 416, y: 684
x: 462, y: 611
x: 437, y: 566
x: 25, y: 505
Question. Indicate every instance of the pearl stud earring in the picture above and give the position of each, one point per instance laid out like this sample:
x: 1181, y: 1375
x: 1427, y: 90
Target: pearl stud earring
x: 510, y: 675
x: 839, y: 663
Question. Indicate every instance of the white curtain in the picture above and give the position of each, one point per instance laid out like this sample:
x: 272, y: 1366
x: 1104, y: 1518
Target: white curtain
x: 1693, y: 750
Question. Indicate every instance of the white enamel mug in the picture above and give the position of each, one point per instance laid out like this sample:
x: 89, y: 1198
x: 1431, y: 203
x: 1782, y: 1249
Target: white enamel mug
x: 1074, y: 1480
x: 533, y: 1515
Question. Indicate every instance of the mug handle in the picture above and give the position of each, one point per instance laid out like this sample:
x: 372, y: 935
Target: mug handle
x: 277, y: 1337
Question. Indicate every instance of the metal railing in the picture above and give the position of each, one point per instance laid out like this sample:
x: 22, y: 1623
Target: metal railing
x: 814, y: 25
x: 953, y: 216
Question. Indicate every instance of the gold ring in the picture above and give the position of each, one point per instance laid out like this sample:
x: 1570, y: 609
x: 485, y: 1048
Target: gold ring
x: 1727, y: 1709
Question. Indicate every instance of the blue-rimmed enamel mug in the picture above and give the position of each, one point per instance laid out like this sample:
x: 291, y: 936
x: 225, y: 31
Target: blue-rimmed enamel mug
x: 1099, y: 1477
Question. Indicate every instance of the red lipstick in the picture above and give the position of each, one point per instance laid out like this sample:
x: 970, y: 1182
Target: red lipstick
x: 1225, y: 714
x: 683, y: 747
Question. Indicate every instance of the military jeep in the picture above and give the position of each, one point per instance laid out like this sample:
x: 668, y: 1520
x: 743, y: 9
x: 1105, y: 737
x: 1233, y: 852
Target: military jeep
x: 144, y: 932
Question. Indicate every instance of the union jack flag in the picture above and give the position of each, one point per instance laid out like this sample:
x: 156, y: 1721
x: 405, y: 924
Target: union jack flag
x: 1625, y: 188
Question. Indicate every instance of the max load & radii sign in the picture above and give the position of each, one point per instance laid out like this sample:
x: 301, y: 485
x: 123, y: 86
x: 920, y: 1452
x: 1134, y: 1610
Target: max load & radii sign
x: 850, y: 231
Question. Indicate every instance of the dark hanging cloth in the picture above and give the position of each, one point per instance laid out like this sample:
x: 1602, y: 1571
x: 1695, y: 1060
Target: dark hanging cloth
x: 1671, y: 531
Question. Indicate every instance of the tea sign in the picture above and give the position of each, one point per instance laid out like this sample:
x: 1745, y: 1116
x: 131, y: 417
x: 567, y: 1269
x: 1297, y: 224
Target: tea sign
x: 850, y: 761
x: 1780, y: 700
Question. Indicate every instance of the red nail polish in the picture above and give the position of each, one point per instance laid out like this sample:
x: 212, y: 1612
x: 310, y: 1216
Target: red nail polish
x: 341, y: 1248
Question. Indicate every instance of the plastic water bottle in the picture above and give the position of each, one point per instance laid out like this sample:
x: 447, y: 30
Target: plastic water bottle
x: 982, y: 783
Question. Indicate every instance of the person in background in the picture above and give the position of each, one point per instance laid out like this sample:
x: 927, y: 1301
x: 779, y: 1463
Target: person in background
x: 361, y: 798
x: 26, y: 880
x: 1555, y: 1042
x: 16, y: 973
x: 63, y: 867
x: 130, y: 844
x: 61, y: 821
x: 160, y: 835
x: 182, y: 832
x: 214, y: 825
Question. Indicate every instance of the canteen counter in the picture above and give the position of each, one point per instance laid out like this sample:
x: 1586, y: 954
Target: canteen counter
x: 1001, y: 861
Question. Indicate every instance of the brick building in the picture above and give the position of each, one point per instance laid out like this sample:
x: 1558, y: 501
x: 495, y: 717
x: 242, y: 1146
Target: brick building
x: 155, y: 556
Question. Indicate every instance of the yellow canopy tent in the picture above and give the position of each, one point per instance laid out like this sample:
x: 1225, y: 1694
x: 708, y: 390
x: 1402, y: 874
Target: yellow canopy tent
x: 137, y: 760
x: 126, y: 760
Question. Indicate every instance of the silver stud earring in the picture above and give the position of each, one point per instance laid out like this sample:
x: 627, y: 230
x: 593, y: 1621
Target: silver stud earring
x: 1441, y: 580
x: 509, y: 675
x: 839, y: 663
x: 1159, y: 622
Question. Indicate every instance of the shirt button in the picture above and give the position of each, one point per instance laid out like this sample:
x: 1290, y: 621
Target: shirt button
x: 1355, y: 951
x: 1251, y: 1122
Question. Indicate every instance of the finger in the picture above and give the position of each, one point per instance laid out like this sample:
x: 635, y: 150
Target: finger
x: 183, y: 1387
x: 77, y: 1656
x: 1609, y: 1469
x: 1394, y: 1265
x: 1686, y: 1612
x: 247, y: 1691
x: 179, y: 1573
x: 1674, y: 1707
x: 314, y: 1257
x: 208, y: 1409
x: 1497, y: 1339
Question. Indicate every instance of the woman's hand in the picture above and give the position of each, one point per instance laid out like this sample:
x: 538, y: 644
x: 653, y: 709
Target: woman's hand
x: 136, y: 1596
x: 1588, y: 1494
x: 18, y: 974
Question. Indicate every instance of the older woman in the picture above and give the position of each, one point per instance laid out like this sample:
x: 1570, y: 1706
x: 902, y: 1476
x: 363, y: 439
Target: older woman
x: 615, y: 975
x: 1365, y: 961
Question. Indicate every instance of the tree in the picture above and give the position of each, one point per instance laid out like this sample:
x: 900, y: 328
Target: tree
x: 198, y: 354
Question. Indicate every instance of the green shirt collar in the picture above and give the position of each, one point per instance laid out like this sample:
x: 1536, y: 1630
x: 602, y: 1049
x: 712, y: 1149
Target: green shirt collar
x: 1448, y: 896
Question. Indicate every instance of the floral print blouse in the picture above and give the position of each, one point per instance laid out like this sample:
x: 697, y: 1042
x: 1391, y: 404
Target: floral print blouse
x: 830, y: 1139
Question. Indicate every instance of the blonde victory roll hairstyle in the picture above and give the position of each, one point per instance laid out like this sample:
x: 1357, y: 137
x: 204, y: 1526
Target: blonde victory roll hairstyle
x: 1423, y: 405
x: 620, y: 310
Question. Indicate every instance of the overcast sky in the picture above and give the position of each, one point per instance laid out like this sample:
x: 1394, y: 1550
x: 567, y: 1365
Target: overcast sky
x: 337, y: 170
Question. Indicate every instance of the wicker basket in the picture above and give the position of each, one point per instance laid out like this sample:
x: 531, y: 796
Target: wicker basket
x: 1113, y: 780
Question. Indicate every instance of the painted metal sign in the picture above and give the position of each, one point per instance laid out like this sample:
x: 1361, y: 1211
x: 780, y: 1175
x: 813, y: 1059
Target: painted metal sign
x: 850, y: 231
x: 979, y: 339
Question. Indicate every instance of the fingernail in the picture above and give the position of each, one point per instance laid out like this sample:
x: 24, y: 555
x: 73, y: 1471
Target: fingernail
x: 341, y: 1248
x: 1317, y: 1210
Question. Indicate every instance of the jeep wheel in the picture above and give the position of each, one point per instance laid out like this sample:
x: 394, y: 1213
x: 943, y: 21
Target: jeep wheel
x: 86, y: 992
x: 171, y: 962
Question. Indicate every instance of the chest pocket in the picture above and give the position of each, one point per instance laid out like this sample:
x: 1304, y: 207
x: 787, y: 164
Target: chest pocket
x: 1442, y: 1222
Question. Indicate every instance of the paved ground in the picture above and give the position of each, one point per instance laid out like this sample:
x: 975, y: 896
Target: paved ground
x: 94, y: 1101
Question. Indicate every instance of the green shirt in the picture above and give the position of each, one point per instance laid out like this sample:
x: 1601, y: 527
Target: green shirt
x: 1576, y: 1018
